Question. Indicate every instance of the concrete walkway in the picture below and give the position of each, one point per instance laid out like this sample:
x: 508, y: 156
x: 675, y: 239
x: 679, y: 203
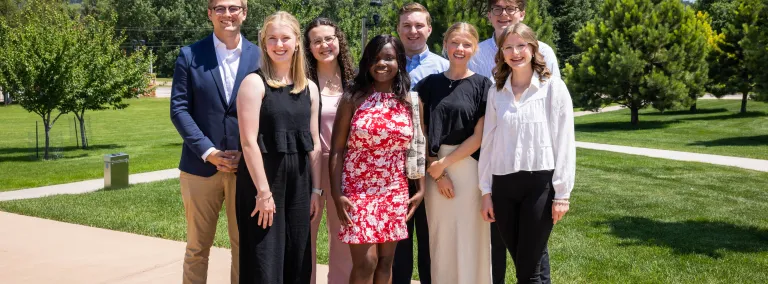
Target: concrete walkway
x: 34, y: 250
x: 746, y: 163
x: 605, y: 109
x: 84, y: 186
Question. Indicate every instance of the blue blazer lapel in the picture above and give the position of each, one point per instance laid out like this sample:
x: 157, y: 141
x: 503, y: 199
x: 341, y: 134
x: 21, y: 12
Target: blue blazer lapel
x: 212, y: 61
x: 247, y: 60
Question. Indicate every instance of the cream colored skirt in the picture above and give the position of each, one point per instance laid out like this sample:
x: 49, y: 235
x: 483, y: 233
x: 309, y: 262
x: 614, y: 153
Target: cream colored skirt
x: 459, y: 238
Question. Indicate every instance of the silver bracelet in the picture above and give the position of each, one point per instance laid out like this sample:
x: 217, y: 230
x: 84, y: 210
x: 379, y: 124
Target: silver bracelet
x: 561, y: 201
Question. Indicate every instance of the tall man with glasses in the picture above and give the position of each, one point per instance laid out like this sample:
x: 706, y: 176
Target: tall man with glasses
x: 504, y: 13
x: 414, y: 27
x: 206, y: 78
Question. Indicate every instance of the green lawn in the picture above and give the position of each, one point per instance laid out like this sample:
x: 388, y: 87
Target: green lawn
x: 633, y: 220
x: 143, y: 130
x: 717, y: 128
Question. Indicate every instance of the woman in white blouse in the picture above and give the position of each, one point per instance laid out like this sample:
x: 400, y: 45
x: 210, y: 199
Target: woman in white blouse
x: 527, y: 160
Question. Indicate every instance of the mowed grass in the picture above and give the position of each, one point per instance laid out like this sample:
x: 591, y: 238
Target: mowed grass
x: 143, y: 130
x: 717, y: 128
x: 632, y: 220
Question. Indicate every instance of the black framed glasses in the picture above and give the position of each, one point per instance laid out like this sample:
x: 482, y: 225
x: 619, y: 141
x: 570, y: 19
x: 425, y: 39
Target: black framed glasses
x: 497, y: 11
x: 328, y: 39
x: 221, y: 10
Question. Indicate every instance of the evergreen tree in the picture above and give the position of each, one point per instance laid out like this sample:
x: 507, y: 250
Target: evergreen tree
x: 731, y: 68
x: 639, y: 53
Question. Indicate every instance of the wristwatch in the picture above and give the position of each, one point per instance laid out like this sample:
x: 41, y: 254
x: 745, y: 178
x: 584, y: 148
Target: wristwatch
x: 317, y: 191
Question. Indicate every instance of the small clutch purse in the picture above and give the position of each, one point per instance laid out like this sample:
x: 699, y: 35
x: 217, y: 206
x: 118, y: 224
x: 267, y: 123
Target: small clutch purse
x: 416, y: 159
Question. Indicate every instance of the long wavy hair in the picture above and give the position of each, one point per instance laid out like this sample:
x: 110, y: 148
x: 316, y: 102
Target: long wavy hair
x: 344, y: 58
x: 363, y: 83
x: 502, y: 69
x: 298, y: 63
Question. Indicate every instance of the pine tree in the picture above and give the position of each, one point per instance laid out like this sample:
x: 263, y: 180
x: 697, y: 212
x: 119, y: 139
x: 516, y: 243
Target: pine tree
x: 639, y: 53
x: 730, y: 67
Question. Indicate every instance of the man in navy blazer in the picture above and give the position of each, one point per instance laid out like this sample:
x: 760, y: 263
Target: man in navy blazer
x: 206, y: 78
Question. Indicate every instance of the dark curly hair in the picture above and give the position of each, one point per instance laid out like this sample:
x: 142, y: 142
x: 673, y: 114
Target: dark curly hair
x: 344, y: 58
x: 363, y: 83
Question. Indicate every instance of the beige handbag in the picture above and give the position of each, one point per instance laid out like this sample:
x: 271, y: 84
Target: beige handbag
x: 416, y: 158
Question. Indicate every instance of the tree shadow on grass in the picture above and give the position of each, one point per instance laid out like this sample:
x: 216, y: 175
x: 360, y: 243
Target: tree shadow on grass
x: 28, y: 154
x: 749, y: 114
x: 685, y: 112
x: 759, y: 140
x: 708, y: 238
x: 622, y: 126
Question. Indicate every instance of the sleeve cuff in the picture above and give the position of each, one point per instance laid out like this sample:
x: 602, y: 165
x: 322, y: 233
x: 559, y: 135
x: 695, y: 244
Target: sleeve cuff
x: 561, y: 192
x: 205, y: 156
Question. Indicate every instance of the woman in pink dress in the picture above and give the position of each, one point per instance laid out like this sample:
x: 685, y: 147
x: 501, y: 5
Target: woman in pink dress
x: 371, y: 134
x: 330, y: 67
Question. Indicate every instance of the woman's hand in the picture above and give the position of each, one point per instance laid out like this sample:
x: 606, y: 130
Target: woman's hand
x: 265, y: 206
x: 314, y: 207
x: 414, y: 203
x: 487, y: 209
x: 559, y: 208
x: 436, y: 169
x: 445, y: 186
x: 343, y: 205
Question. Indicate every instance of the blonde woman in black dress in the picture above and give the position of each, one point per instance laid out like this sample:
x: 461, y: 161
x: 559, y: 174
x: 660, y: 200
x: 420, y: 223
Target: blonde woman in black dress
x: 454, y: 107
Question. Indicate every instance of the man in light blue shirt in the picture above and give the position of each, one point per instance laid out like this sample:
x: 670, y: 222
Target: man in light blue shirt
x: 504, y: 13
x: 414, y: 27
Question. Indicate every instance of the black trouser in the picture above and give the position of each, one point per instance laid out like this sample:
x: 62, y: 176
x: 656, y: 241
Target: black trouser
x: 499, y: 259
x: 522, y: 202
x: 279, y: 254
x: 402, y: 267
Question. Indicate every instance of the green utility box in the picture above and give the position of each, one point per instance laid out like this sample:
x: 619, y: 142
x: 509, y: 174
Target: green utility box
x: 115, y: 170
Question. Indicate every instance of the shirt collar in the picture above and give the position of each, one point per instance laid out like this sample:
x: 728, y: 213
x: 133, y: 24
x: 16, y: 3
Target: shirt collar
x: 418, y: 57
x: 218, y: 44
x: 535, y: 83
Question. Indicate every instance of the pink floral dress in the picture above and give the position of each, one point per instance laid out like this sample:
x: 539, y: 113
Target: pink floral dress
x: 374, y: 177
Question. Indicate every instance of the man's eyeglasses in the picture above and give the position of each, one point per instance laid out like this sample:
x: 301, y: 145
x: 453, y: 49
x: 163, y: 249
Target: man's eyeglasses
x: 221, y: 10
x: 318, y: 41
x: 497, y: 11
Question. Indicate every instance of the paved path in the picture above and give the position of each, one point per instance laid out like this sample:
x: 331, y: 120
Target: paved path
x: 84, y: 186
x: 163, y: 92
x: 726, y: 97
x: 746, y: 163
x: 605, y: 109
x: 34, y: 250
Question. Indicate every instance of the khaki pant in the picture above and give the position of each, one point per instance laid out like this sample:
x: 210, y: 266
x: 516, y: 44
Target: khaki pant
x: 203, y: 197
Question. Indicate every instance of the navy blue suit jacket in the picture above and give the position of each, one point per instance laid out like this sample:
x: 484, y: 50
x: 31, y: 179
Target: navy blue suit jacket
x: 198, y: 107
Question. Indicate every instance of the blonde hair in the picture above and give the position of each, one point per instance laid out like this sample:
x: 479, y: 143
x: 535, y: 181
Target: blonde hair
x: 465, y: 28
x: 298, y: 63
x: 414, y: 7
x: 502, y: 70
x: 243, y: 3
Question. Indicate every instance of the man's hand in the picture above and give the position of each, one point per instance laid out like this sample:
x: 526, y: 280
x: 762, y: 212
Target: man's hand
x: 225, y: 162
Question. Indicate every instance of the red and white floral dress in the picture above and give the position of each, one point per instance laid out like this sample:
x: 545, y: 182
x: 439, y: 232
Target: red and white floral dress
x: 374, y: 177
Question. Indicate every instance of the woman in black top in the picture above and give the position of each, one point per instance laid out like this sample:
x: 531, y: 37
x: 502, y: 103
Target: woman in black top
x: 278, y: 115
x: 454, y: 106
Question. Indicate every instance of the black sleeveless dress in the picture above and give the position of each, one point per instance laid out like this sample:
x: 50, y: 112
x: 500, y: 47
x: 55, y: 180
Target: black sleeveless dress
x: 280, y: 253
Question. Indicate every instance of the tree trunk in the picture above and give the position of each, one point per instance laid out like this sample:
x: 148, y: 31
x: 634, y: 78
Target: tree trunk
x: 744, y: 96
x: 83, y: 137
x: 6, y: 98
x: 693, y: 108
x: 635, y: 115
x: 47, y: 127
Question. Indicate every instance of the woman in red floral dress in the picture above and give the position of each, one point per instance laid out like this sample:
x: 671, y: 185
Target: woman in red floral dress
x: 371, y: 134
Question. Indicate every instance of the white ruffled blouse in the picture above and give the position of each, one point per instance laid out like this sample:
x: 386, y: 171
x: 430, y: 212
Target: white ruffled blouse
x: 534, y: 134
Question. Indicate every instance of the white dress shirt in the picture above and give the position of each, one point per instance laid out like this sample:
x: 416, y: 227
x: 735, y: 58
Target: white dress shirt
x: 484, y: 60
x: 533, y: 134
x: 229, y: 61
